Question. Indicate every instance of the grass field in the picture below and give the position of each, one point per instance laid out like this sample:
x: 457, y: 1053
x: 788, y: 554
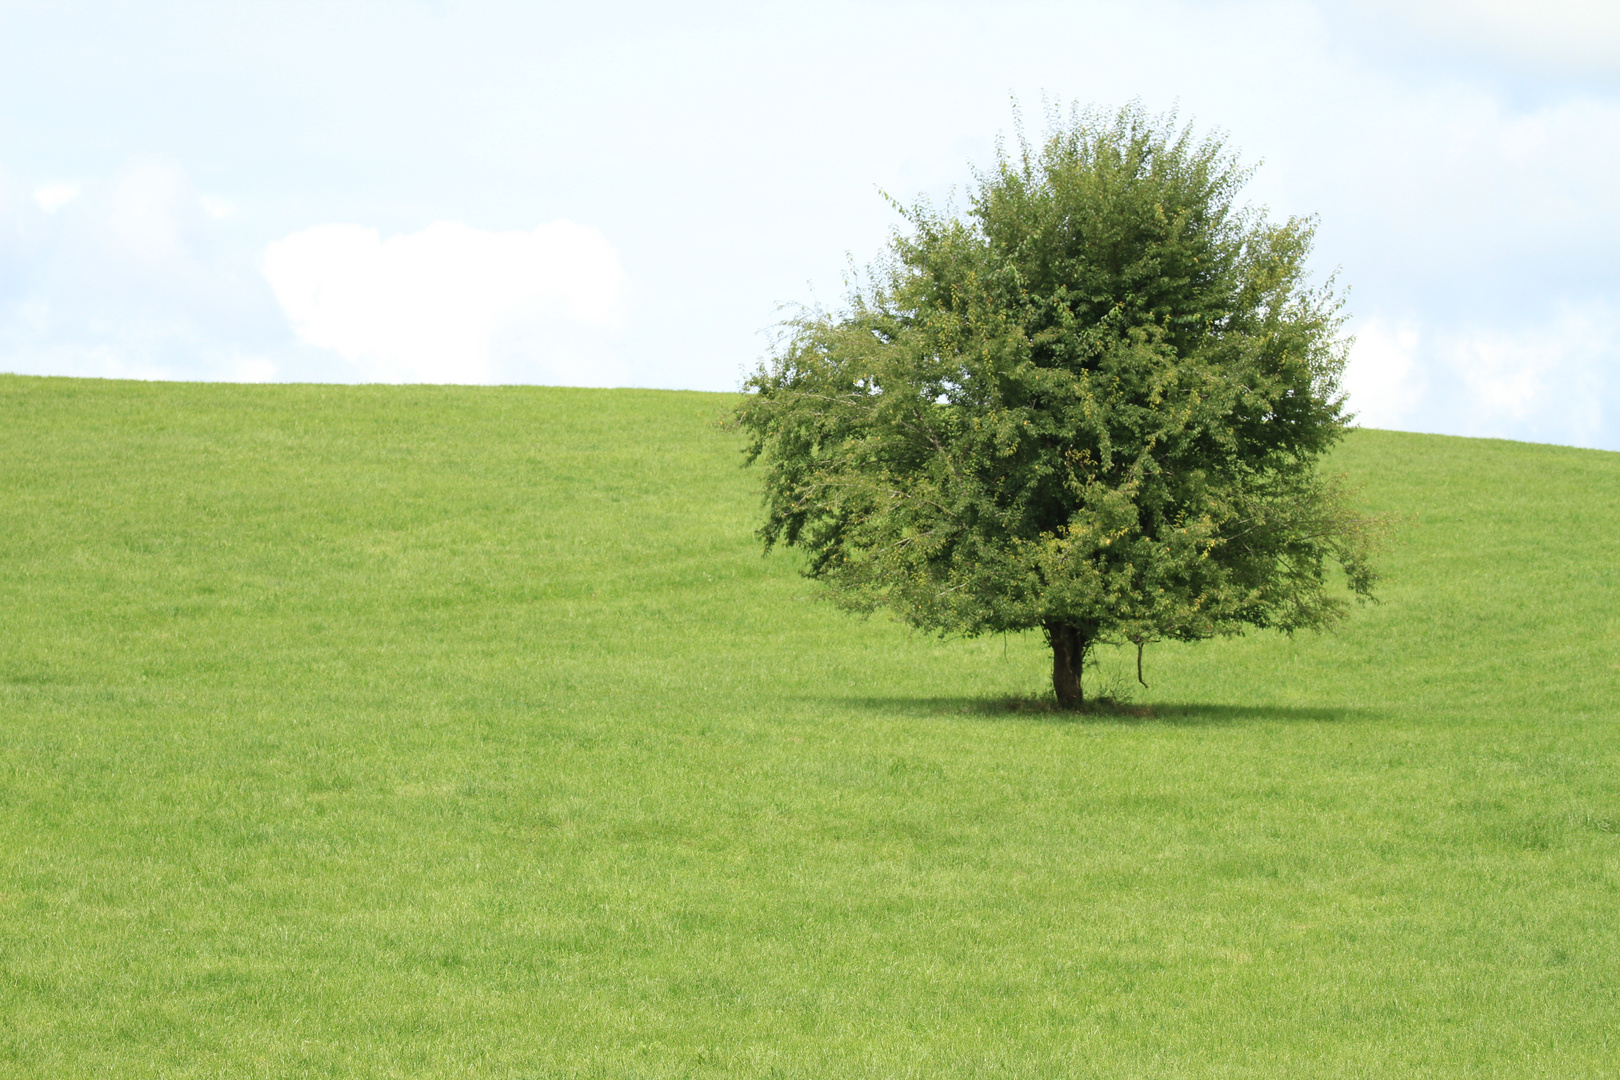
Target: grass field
x: 408, y: 731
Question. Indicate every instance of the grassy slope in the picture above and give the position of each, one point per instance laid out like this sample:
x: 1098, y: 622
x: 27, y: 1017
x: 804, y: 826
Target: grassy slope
x: 418, y: 731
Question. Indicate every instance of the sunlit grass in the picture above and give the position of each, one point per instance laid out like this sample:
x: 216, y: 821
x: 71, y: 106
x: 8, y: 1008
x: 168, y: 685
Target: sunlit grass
x: 390, y: 731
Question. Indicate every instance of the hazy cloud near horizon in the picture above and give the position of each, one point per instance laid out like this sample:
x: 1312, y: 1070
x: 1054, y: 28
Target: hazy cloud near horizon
x: 454, y: 304
x: 626, y: 195
x: 129, y: 277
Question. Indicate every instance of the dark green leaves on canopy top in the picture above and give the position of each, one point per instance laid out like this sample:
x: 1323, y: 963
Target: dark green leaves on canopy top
x: 1092, y: 404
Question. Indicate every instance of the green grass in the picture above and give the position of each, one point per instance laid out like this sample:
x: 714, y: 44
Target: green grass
x: 389, y: 731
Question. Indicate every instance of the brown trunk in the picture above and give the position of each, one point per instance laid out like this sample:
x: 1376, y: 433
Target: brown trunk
x: 1068, y: 661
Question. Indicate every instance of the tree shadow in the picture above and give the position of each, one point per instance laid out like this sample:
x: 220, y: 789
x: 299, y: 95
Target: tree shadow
x: 1105, y: 710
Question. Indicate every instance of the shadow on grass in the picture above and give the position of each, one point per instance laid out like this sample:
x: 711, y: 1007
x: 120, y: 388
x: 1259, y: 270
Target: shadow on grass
x: 1106, y: 710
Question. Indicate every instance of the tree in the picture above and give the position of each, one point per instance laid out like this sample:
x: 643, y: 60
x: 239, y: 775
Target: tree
x: 1093, y: 404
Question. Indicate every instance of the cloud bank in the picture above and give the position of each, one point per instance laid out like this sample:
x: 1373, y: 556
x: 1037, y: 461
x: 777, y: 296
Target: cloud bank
x: 455, y: 304
x: 143, y: 276
x: 1559, y: 36
x: 1557, y: 381
x: 128, y: 278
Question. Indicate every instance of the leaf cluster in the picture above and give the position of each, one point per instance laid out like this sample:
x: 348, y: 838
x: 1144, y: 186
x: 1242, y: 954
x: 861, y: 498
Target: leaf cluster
x: 1096, y: 398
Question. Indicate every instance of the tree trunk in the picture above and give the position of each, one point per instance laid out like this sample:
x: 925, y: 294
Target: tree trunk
x: 1069, y: 645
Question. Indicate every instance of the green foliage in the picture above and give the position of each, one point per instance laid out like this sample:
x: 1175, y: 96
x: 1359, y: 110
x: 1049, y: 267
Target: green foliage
x: 1096, y: 401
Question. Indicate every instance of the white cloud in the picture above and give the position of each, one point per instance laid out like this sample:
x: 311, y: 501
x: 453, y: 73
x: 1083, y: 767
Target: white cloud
x: 147, y: 211
x: 1557, y: 380
x: 141, y: 276
x: 456, y: 304
x: 1552, y: 382
x: 1550, y: 35
x: 1383, y: 379
x: 216, y: 207
x: 52, y: 197
x: 253, y: 369
x: 130, y: 277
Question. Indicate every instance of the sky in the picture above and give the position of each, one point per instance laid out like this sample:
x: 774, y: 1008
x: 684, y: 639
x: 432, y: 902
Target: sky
x: 635, y: 194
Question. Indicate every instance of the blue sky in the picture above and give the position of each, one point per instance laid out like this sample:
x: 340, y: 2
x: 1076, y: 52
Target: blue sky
x: 629, y: 194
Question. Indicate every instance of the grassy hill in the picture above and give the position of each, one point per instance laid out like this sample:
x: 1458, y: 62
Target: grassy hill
x: 407, y: 731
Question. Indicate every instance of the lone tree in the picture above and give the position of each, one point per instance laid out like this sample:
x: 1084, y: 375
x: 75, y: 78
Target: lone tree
x: 1092, y: 404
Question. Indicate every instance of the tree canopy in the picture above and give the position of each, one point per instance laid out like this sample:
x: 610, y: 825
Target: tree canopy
x: 1094, y: 403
